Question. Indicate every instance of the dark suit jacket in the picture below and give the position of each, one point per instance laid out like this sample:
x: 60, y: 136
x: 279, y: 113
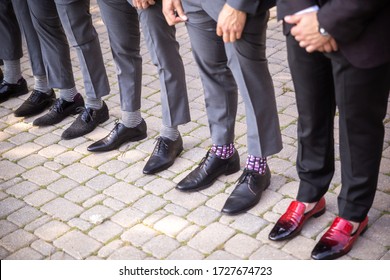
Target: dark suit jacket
x: 360, y: 27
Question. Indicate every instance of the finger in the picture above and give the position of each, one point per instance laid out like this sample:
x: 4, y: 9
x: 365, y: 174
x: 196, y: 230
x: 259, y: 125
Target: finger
x: 333, y: 44
x: 180, y: 13
x: 219, y: 31
x: 294, y: 19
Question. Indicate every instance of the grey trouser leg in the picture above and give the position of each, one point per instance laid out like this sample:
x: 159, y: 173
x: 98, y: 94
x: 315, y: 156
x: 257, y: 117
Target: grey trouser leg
x: 247, y: 60
x: 121, y: 20
x: 164, y: 51
x: 77, y: 23
x: 22, y: 13
x: 54, y: 45
x: 11, y: 40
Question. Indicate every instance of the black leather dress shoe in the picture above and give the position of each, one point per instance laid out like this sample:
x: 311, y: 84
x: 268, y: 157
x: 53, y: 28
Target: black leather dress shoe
x: 207, y: 172
x: 12, y: 90
x: 119, y: 135
x: 164, y: 155
x: 248, y: 192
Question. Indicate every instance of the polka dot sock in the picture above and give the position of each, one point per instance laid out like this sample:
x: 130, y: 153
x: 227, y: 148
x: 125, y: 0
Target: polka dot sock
x: 258, y: 164
x: 223, y: 151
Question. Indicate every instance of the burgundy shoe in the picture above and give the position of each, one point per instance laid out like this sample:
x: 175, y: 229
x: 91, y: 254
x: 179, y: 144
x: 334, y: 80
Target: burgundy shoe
x: 292, y: 221
x: 338, y: 240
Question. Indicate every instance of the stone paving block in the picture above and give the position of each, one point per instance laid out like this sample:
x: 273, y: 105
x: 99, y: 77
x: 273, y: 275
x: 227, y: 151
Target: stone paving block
x: 268, y: 199
x: 81, y: 224
x: 211, y: 238
x: 79, y: 172
x: 51, y: 230
x: 17, y: 240
x: 43, y: 247
x: 62, y: 209
x: 132, y: 173
x: 105, y: 231
x: 9, y: 205
x: 24, y: 215
x: 138, y: 235
x: 52, y: 151
x: 364, y: 249
x: 41, y: 176
x: 375, y: 232
x: 101, y: 182
x: 54, y: 166
x: 3, y: 253
x: 97, y: 214
x: 217, y: 202
x: 61, y: 256
x: 80, y: 194
x: 127, y: 253
x: 97, y: 199
x: 203, y: 215
x: 124, y: 192
x: 159, y: 186
x: 188, y: 201
x: 25, y: 254
x: 222, y: 255
x: 185, y: 253
x: 131, y: 155
x: 149, y: 203
x: 7, y: 227
x: 112, y: 167
x: 110, y: 248
x: 171, y: 225
x: 128, y: 217
x: 62, y: 186
x: 22, y: 189
x: 47, y: 139
x: 242, y: 245
x: 37, y: 223
x: 114, y: 204
x: 77, y: 244
x: 160, y: 246
x: 39, y: 197
x: 68, y: 157
x: 176, y: 210
x: 248, y: 223
x: 300, y: 247
x: 21, y: 138
x: 21, y: 151
x: 6, y: 146
x: 267, y: 252
x: 9, y: 169
x: 382, y: 201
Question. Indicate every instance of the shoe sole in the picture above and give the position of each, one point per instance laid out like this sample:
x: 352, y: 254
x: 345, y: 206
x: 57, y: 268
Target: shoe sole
x: 14, y: 95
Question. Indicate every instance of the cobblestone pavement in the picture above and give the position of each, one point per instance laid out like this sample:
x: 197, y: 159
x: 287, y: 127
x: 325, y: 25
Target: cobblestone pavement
x: 59, y: 201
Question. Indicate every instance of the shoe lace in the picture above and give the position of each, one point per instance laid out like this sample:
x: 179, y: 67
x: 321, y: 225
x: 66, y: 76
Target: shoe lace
x: 34, y: 97
x: 246, y: 176
x: 86, y: 114
x: 58, y: 105
x: 115, y: 129
x: 161, y: 145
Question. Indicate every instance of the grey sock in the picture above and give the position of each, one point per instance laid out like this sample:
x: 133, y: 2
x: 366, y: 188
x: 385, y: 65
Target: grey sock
x: 171, y: 133
x: 131, y: 119
x: 12, y: 72
x: 41, y: 84
x: 68, y: 94
x: 94, y: 103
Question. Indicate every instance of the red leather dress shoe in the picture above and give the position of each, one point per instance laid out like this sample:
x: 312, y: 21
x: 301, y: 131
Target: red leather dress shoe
x: 338, y: 240
x: 292, y: 221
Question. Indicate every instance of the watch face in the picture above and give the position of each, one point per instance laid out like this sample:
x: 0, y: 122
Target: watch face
x: 323, y: 31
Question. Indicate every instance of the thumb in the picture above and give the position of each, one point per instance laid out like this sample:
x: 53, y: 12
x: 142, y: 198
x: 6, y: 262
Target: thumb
x: 180, y: 13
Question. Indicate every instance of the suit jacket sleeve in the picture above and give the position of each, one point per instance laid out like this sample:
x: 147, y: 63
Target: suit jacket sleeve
x: 248, y: 6
x: 345, y: 20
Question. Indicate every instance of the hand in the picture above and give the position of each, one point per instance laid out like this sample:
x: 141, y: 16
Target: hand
x: 143, y: 4
x: 306, y: 33
x: 173, y: 11
x: 230, y: 23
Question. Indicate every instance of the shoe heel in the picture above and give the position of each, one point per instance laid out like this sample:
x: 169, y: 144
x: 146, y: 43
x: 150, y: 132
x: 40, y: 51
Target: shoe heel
x: 104, y: 119
x: 316, y: 215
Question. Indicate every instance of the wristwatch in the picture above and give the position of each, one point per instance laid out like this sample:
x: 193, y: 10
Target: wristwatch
x: 322, y: 31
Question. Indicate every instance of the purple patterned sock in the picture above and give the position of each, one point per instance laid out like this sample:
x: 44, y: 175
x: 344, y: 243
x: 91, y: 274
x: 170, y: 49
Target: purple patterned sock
x: 258, y: 164
x: 223, y: 151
